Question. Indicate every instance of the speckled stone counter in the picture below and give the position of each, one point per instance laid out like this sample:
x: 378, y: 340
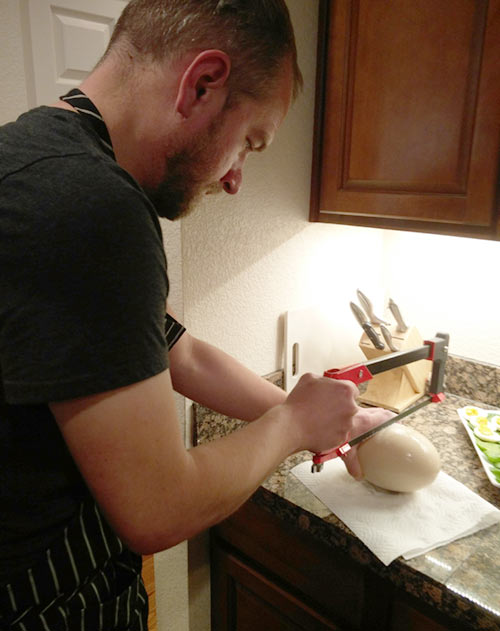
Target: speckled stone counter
x: 461, y: 579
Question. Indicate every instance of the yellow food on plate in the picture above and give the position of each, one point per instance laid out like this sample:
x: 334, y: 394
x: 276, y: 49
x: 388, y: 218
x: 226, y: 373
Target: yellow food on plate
x: 478, y: 421
x: 398, y: 458
x: 471, y: 413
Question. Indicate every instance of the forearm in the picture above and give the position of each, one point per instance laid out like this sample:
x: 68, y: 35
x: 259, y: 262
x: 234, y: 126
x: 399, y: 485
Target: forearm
x: 225, y: 473
x: 218, y: 381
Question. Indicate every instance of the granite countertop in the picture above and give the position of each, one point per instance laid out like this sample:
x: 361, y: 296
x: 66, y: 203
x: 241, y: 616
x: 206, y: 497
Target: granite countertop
x: 460, y: 579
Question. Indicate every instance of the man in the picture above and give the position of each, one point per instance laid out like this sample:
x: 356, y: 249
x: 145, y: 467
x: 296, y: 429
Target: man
x: 94, y: 469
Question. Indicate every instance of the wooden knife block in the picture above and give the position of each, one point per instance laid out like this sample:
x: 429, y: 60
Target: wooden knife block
x: 398, y: 388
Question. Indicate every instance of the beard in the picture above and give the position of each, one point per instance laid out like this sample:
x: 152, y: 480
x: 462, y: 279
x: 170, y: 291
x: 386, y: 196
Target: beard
x: 186, y: 174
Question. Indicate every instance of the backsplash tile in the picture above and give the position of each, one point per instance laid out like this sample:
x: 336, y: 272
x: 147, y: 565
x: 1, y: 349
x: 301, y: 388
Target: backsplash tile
x: 474, y: 380
x: 209, y: 425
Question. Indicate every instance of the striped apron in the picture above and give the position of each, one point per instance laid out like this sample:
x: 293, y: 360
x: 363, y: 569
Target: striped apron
x: 87, y: 580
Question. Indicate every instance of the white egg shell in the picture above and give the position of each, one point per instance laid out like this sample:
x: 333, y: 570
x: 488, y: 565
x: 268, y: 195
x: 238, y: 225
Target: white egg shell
x: 398, y: 458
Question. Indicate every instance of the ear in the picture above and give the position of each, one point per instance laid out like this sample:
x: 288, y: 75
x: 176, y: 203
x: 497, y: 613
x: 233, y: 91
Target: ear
x: 204, y: 83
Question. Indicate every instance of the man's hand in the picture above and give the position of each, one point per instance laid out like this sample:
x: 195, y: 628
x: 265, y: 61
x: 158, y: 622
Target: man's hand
x: 365, y: 419
x: 322, y: 411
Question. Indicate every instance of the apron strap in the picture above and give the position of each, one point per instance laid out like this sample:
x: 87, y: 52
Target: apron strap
x: 84, y: 106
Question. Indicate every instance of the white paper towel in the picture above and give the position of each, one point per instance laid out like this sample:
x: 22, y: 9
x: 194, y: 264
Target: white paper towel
x: 395, y: 524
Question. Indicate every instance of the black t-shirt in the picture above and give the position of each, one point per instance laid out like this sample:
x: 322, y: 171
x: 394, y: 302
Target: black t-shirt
x: 83, y: 288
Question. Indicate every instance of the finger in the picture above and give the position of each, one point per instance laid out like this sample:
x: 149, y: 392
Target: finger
x: 352, y: 464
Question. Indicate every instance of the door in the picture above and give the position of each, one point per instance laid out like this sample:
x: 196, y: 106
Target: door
x: 63, y: 40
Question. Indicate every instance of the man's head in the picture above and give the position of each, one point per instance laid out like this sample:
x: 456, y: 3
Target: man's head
x: 212, y: 160
x: 257, y: 35
x: 216, y: 79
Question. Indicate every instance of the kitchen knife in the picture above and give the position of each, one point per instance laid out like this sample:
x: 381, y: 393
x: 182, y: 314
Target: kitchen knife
x: 367, y: 327
x: 320, y: 458
x: 388, y: 338
x: 368, y: 308
x: 397, y: 316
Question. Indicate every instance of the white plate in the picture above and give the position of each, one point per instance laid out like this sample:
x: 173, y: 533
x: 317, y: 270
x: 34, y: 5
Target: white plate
x: 484, y: 461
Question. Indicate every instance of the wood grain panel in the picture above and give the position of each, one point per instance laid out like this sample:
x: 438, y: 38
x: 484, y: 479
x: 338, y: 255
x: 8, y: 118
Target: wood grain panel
x: 408, y: 115
x: 255, y: 602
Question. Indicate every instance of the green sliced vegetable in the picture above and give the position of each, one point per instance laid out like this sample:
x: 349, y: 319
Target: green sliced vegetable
x: 490, y: 450
x: 496, y: 474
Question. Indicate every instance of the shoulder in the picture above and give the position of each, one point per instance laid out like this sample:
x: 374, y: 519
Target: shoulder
x: 54, y: 174
x: 40, y: 134
x: 60, y: 143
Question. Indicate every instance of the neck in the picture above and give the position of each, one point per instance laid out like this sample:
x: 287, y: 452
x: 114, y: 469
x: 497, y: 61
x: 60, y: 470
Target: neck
x: 122, y: 102
x: 117, y: 104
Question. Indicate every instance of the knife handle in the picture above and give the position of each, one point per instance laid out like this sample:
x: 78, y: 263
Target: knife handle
x: 388, y: 338
x: 372, y: 335
x: 368, y: 307
x: 402, y: 328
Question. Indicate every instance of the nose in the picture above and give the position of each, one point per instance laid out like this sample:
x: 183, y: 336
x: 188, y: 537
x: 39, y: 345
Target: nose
x: 231, y: 182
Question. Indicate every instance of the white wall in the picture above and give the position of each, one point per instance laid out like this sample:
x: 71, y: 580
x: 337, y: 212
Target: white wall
x: 13, y: 91
x: 448, y: 284
x: 248, y: 260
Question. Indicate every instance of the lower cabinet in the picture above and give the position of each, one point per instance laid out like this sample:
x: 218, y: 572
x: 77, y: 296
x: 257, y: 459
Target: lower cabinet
x: 406, y: 616
x: 267, y: 576
x: 247, y: 600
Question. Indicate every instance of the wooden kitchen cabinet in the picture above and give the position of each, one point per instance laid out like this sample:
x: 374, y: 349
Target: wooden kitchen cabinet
x: 270, y: 576
x: 407, y: 127
x: 263, y: 571
x: 247, y: 599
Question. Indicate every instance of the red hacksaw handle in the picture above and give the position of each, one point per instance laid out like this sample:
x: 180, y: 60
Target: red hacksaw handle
x: 357, y: 373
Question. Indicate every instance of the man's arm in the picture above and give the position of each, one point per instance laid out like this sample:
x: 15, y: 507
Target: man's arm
x: 213, y: 378
x: 155, y: 493
x: 207, y: 375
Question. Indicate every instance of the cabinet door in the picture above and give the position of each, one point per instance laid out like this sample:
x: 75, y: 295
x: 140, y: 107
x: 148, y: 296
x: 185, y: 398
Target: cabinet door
x: 408, y: 618
x: 408, y: 115
x: 246, y: 600
x: 330, y: 582
x: 63, y: 40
